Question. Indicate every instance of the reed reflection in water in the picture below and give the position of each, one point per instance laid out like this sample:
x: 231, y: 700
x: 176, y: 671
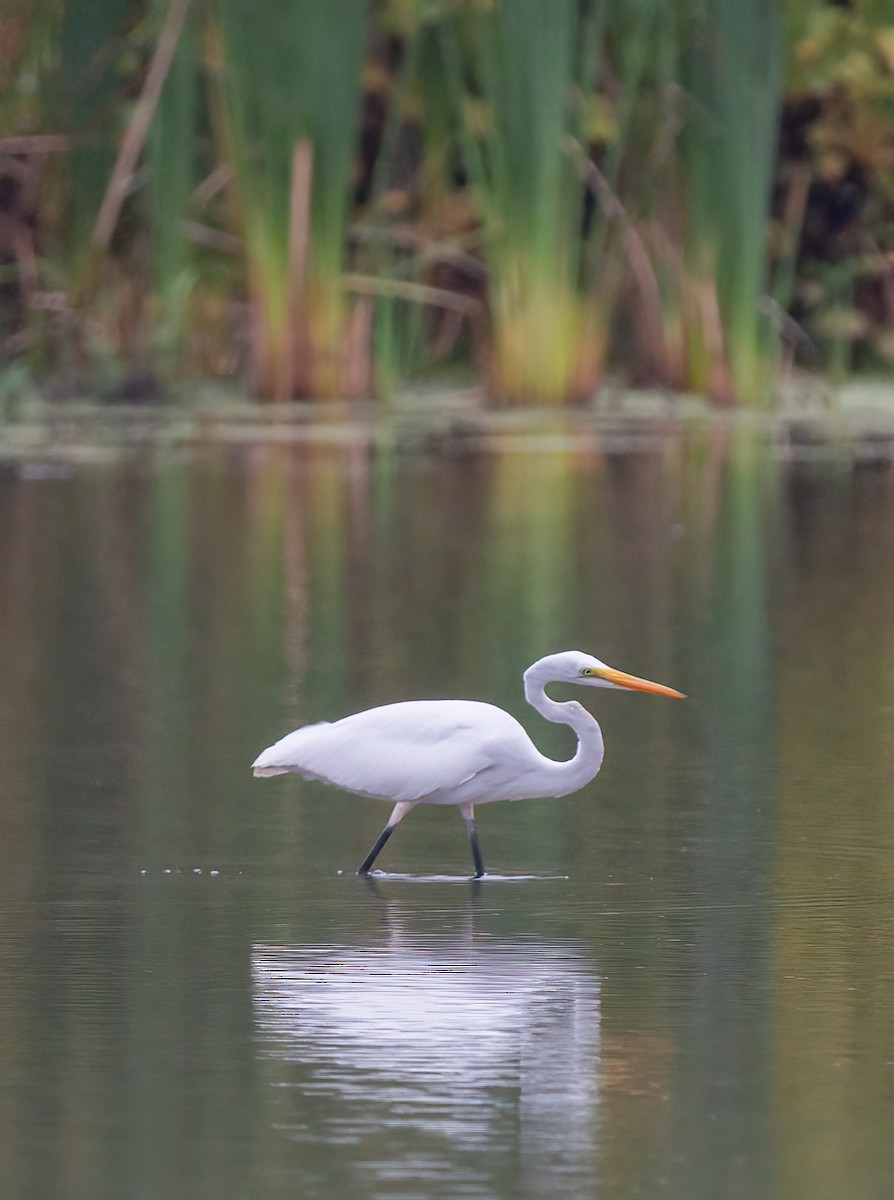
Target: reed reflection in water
x: 431, y: 1061
x: 728, y: 877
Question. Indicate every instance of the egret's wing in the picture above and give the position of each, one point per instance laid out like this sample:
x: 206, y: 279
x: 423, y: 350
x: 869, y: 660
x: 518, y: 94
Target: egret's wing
x: 398, y: 752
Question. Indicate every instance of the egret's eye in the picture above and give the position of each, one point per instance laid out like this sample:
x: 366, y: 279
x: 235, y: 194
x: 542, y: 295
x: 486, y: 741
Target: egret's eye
x: 586, y: 670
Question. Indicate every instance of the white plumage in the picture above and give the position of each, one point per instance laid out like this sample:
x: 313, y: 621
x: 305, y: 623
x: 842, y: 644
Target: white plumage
x: 427, y: 751
x: 460, y: 752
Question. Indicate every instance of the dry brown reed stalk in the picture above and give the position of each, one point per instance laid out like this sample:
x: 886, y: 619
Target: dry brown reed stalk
x: 138, y: 128
x: 295, y: 370
x: 650, y: 313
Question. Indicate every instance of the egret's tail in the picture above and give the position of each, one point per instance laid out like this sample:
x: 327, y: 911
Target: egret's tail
x: 288, y: 753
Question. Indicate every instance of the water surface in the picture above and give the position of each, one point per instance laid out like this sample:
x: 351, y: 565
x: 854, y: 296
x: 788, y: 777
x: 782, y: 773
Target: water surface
x: 682, y: 986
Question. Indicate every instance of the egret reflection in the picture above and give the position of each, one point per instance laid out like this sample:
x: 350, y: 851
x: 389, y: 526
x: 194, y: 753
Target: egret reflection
x: 433, y: 1060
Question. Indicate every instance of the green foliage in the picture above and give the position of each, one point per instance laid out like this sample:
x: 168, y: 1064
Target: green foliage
x: 92, y: 66
x: 841, y: 69
x: 327, y: 197
x: 517, y: 120
x: 172, y: 166
x: 290, y: 72
x: 731, y: 72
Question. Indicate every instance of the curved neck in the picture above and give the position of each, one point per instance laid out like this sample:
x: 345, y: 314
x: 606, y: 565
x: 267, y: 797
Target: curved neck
x: 587, y: 760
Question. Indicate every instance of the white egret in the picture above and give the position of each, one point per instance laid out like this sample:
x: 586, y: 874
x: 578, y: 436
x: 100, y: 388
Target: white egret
x: 460, y: 752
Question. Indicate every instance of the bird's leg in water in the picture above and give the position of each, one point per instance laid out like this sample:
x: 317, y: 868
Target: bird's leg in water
x: 468, y: 813
x: 398, y: 813
x: 383, y: 837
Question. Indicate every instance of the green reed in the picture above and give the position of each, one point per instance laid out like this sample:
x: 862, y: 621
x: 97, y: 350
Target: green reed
x: 290, y: 73
x: 554, y: 188
x: 730, y: 68
x: 514, y: 67
x: 63, y: 88
x: 173, y: 175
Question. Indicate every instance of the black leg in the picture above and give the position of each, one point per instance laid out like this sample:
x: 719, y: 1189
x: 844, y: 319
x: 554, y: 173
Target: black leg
x: 398, y: 813
x: 374, y: 853
x: 476, y: 849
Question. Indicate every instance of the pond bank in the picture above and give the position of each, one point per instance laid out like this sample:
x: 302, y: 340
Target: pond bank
x: 857, y: 424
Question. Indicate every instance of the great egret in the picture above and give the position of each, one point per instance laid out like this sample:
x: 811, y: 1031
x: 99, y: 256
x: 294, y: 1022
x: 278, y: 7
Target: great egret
x: 460, y: 752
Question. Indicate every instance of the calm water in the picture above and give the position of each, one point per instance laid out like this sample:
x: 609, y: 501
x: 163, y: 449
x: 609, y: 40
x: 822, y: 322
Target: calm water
x: 684, y: 985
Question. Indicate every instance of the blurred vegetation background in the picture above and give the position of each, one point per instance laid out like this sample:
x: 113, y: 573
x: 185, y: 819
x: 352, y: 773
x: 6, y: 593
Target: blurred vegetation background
x: 328, y: 198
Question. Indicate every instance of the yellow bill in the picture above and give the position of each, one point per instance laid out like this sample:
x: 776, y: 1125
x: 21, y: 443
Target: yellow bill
x: 622, y: 680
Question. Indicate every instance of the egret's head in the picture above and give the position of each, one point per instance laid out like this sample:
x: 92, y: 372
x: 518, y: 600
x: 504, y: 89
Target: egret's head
x: 572, y: 666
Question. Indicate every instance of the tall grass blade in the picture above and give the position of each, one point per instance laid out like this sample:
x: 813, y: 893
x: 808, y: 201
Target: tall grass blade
x: 291, y: 72
x: 521, y: 58
x: 171, y: 162
x: 731, y: 68
x: 138, y: 126
x: 89, y: 78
